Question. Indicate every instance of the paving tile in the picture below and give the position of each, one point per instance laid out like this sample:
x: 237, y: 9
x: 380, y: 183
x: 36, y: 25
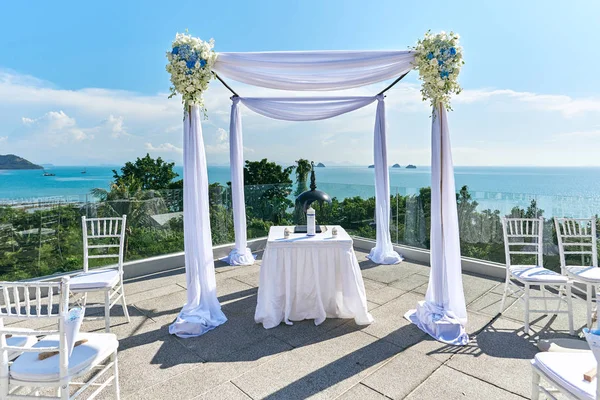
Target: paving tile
x: 515, y: 309
x: 152, y: 356
x: 226, y: 391
x: 361, y: 392
x: 240, y: 331
x: 476, y: 286
x: 389, y: 273
x: 326, y: 368
x: 302, y: 332
x: 383, y: 294
x: 205, y: 377
x: 400, y: 376
x: 410, y: 282
x: 449, y: 384
x: 499, y: 355
x: 391, y: 325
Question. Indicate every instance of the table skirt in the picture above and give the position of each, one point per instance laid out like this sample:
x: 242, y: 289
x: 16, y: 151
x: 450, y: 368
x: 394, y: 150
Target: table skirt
x: 302, y: 282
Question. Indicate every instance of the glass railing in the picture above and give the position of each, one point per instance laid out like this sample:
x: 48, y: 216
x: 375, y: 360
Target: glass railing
x: 42, y: 236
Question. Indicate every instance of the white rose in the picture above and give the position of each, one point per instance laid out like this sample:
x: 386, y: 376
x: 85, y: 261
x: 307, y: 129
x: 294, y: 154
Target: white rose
x: 433, y: 61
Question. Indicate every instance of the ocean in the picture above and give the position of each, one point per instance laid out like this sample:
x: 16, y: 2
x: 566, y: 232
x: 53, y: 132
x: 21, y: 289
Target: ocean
x: 559, y: 189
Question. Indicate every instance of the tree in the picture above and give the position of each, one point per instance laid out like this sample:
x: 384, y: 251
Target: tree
x: 150, y: 173
x: 303, y: 168
x: 268, y: 186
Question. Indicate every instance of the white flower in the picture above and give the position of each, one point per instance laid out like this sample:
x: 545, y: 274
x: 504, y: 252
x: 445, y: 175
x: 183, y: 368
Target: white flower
x: 190, y: 82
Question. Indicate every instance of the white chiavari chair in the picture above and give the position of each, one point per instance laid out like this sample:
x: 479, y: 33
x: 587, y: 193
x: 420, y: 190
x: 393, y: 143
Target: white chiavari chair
x: 46, y: 368
x: 577, y: 240
x: 523, y: 237
x: 99, y: 237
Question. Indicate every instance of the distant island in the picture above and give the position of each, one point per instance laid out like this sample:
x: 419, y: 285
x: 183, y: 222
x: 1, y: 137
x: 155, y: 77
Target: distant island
x: 371, y: 166
x: 396, y: 166
x: 320, y: 165
x: 410, y: 166
x: 11, y: 161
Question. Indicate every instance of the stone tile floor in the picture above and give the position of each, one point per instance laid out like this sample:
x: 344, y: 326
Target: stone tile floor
x: 390, y: 359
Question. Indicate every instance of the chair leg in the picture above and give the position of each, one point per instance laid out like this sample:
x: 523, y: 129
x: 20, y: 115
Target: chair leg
x: 504, y: 296
x: 588, y: 301
x: 535, y: 385
x: 107, y: 311
x: 570, y: 309
x: 124, y: 303
x: 526, y: 296
x: 543, y: 290
x: 116, y: 388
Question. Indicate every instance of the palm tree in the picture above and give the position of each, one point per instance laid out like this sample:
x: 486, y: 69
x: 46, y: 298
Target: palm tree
x: 303, y: 168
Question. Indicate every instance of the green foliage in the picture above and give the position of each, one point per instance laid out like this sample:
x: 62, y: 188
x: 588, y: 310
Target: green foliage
x: 148, y: 173
x: 42, y: 242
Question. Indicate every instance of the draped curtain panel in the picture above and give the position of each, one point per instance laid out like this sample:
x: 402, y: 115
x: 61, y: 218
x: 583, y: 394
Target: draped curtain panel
x: 312, y: 109
x: 240, y: 254
x: 443, y: 314
x: 314, y: 70
x: 202, y: 311
x: 383, y: 252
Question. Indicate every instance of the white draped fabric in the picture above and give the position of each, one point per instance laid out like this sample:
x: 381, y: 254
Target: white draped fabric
x: 202, y: 311
x: 241, y: 254
x: 305, y: 108
x: 383, y: 252
x: 443, y: 314
x: 314, y: 70
x: 311, y: 109
x: 314, y: 277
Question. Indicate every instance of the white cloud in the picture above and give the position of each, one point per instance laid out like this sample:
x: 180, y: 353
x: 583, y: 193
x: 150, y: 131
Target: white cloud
x: 114, y: 126
x: 164, y: 148
x: 58, y: 126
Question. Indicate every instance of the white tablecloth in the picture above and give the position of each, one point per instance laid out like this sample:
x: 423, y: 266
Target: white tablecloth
x: 313, y: 277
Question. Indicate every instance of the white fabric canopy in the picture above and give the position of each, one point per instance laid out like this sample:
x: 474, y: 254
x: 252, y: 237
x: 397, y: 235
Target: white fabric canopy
x: 314, y: 70
x: 310, y: 109
x: 443, y: 314
x: 202, y: 311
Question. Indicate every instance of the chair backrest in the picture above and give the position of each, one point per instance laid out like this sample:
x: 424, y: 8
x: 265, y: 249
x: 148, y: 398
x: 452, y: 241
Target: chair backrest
x: 577, y: 236
x: 523, y: 236
x: 33, y: 300
x: 99, y: 236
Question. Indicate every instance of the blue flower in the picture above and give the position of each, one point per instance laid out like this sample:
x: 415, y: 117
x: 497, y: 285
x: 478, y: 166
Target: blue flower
x: 452, y: 51
x: 444, y: 74
x: 442, y: 51
x: 202, y: 63
x: 190, y: 63
x: 440, y: 62
x: 175, y: 50
x: 430, y: 56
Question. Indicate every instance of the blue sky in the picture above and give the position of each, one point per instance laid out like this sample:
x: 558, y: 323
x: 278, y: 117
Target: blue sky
x: 86, y: 80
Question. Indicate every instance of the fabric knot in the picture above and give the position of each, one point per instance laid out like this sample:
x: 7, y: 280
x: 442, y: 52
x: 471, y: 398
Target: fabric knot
x: 235, y: 99
x: 380, y: 97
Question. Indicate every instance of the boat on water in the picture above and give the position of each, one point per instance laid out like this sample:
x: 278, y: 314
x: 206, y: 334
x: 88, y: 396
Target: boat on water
x: 84, y: 171
x: 49, y: 174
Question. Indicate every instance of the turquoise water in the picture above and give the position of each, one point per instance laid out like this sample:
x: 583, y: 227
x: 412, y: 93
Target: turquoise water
x: 498, y: 187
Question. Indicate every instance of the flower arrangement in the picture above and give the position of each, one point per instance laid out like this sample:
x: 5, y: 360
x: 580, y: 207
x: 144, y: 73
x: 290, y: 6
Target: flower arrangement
x: 190, y: 65
x: 439, y: 59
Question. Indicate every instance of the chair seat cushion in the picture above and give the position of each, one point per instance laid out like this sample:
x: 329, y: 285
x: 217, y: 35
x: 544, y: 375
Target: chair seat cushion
x: 29, y: 368
x: 586, y: 274
x: 567, y: 369
x: 101, y: 279
x: 533, y: 273
x: 20, y: 341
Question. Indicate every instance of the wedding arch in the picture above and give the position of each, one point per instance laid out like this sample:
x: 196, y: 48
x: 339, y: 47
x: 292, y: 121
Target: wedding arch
x: 193, y: 63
